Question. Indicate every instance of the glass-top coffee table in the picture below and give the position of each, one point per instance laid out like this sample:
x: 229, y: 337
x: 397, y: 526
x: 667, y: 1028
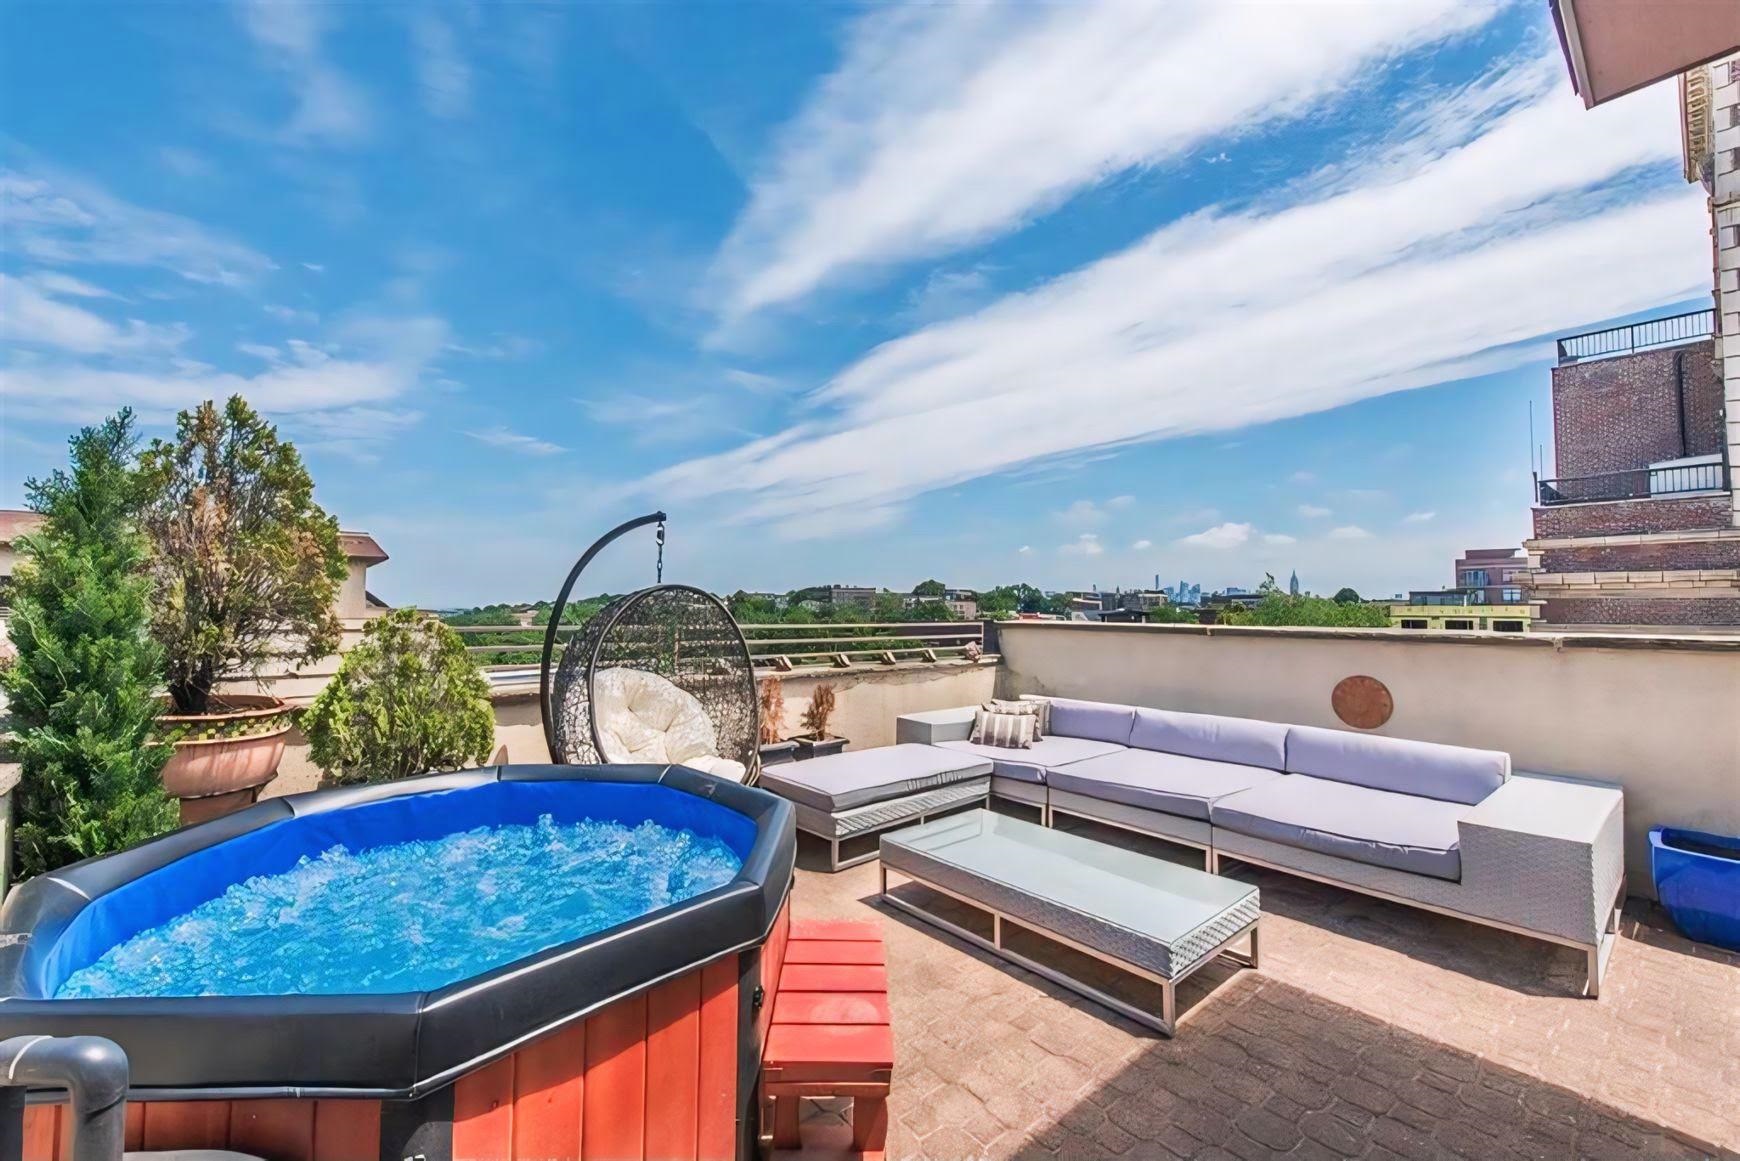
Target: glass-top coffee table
x: 1155, y: 919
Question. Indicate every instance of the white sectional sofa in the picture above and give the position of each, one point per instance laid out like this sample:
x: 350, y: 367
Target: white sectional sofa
x: 1447, y: 828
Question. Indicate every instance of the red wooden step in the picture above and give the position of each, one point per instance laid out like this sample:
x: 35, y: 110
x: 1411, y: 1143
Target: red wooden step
x: 830, y: 1008
x: 853, y: 929
x: 837, y: 1053
x: 827, y: 977
x: 833, y: 951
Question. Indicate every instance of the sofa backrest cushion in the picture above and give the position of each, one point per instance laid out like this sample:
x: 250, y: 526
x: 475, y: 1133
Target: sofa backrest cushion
x: 1426, y: 769
x: 1243, y: 740
x: 1099, y: 720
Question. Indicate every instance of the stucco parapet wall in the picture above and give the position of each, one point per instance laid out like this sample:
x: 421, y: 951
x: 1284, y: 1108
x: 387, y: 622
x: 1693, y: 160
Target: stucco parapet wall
x: 1410, y: 638
x: 1618, y: 540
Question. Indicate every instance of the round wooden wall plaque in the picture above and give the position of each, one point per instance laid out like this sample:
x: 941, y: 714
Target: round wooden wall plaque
x: 1362, y: 702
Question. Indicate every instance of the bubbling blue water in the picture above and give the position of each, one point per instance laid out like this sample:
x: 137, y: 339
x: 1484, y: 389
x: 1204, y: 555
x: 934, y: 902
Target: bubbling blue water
x: 411, y: 916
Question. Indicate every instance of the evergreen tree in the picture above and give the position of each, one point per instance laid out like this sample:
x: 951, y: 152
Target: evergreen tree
x: 82, y: 691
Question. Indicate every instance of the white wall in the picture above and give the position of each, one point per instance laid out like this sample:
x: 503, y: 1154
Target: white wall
x: 1658, y: 716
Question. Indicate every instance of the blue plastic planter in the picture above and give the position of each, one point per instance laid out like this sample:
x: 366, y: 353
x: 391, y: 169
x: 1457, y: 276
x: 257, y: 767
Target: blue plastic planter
x: 1697, y: 879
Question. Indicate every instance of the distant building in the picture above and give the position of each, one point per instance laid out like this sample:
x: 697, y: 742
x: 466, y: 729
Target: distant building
x: 1293, y: 583
x: 851, y: 595
x: 1460, y: 609
x: 1141, y: 600
x: 1496, y: 572
x: 1182, y: 593
x: 966, y: 608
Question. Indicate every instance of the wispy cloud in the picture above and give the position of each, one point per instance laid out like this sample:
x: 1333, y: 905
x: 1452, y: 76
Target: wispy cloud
x: 1349, y: 532
x: 1228, y: 535
x: 513, y: 441
x: 887, y: 161
x: 59, y: 219
x: 1382, y: 283
x: 329, y: 107
x: 1279, y: 538
x: 1314, y: 511
x: 443, y: 73
x: 1141, y: 545
x: 1418, y: 517
x: 29, y: 317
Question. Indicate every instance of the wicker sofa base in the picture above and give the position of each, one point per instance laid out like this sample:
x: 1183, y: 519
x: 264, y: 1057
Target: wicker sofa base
x: 878, y: 816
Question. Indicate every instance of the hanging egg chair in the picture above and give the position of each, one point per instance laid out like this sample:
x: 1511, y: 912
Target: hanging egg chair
x: 660, y: 675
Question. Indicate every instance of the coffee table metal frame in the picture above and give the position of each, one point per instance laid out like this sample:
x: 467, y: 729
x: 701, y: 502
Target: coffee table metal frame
x: 1165, y: 1022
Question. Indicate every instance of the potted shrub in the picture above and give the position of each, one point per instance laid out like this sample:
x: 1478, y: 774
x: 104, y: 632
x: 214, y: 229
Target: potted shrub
x: 81, y: 686
x: 407, y: 699
x: 816, y: 741
x: 774, y: 751
x: 244, y: 567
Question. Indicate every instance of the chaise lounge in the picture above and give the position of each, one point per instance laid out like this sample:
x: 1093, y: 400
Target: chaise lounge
x: 1446, y: 828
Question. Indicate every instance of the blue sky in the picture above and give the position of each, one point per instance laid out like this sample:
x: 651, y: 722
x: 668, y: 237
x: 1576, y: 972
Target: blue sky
x: 1068, y: 294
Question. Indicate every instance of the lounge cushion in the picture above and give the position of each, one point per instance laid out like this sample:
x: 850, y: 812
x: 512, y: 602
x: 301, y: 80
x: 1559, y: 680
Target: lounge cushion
x: 1030, y: 765
x: 1428, y: 769
x: 1098, y: 720
x: 1240, y: 740
x: 1172, y: 783
x: 858, y: 777
x: 1380, y: 827
x: 642, y: 717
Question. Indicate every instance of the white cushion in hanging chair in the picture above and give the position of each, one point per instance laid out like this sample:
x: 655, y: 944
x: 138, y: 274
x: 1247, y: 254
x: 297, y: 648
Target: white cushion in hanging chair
x: 642, y: 717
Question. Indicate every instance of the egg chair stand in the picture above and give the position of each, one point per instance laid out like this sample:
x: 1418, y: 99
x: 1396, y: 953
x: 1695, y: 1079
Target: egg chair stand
x: 661, y: 674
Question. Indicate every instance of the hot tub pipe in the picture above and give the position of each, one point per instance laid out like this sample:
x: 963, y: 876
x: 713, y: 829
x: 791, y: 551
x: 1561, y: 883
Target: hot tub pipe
x: 94, y: 1073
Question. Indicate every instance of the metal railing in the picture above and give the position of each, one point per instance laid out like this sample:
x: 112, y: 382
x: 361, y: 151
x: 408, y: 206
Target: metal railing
x: 1638, y: 336
x: 777, y: 646
x: 1634, y: 484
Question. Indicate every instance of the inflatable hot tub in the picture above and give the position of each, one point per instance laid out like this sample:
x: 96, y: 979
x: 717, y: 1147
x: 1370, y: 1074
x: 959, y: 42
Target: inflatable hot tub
x: 435, y: 938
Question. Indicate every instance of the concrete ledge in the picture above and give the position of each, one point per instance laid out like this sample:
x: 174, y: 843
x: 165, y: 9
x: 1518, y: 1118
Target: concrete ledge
x: 1724, y: 643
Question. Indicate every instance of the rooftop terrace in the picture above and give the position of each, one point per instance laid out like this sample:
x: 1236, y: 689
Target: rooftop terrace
x: 1372, y: 1030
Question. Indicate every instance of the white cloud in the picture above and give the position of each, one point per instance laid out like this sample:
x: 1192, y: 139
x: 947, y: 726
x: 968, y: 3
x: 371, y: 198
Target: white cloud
x: 66, y: 286
x: 1082, y: 513
x: 290, y: 314
x: 54, y: 218
x: 1279, y: 538
x: 1139, y: 545
x: 314, y: 267
x: 1025, y: 550
x: 1120, y: 501
x: 513, y: 441
x: 30, y: 318
x: 1302, y: 477
x: 340, y: 393
x: 1227, y: 535
x: 329, y: 107
x: 1349, y: 532
x: 1087, y: 544
x: 1413, y: 270
x: 1313, y: 511
x: 887, y: 162
x: 1418, y: 517
x: 443, y: 73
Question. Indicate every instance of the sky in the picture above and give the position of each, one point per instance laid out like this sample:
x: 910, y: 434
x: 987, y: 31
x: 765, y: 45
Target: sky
x: 1073, y: 294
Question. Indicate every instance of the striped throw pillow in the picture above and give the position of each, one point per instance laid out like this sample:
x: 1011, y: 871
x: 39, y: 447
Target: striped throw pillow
x: 1008, y: 731
x: 1039, y: 709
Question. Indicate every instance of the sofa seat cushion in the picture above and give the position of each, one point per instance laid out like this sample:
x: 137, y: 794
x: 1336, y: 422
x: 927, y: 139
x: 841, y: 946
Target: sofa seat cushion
x: 859, y: 777
x: 1171, y: 783
x: 1380, y: 827
x: 1427, y: 769
x: 1219, y: 739
x: 1030, y: 765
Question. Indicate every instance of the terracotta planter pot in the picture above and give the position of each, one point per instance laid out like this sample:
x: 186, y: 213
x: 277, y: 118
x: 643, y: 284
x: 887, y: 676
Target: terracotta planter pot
x: 224, y: 757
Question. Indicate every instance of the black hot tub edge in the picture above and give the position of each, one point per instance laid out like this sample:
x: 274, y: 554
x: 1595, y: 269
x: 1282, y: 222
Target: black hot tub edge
x: 401, y: 1045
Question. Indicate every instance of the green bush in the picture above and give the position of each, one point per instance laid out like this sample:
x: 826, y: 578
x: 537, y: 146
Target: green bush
x: 406, y: 699
x: 1281, y: 609
x: 82, y: 689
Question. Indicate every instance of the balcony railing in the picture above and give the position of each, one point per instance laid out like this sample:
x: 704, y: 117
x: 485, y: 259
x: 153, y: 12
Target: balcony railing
x: 1639, y: 336
x: 512, y: 651
x: 1634, y: 484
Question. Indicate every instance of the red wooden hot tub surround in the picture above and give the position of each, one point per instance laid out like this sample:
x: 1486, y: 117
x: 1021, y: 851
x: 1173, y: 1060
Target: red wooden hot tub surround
x: 657, y: 1076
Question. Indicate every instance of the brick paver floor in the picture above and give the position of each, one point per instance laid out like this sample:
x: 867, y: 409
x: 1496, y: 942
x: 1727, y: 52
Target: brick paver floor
x: 1371, y: 1030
